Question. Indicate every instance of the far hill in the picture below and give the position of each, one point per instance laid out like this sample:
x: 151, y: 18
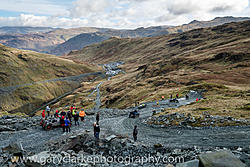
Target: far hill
x: 43, y: 42
x: 55, y: 41
x: 214, y: 59
x: 20, y: 70
x: 24, y: 30
x: 78, y: 42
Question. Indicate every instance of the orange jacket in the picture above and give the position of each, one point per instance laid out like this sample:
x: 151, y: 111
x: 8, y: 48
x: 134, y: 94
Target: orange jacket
x: 82, y: 113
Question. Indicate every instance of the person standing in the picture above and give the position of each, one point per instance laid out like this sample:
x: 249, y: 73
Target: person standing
x: 62, y: 122
x: 82, y: 114
x: 43, y: 114
x: 76, y: 119
x: 69, y: 115
x: 63, y: 113
x: 67, y: 125
x: 97, y: 117
x: 71, y: 109
x: 96, y: 130
x: 135, y: 132
x: 48, y: 110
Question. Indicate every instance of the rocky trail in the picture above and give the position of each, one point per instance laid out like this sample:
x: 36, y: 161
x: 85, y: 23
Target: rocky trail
x: 116, y: 122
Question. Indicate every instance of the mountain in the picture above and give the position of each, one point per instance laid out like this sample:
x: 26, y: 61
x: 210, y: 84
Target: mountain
x: 59, y: 41
x: 214, y: 59
x: 24, y: 30
x: 26, y: 78
x: 43, y: 42
x: 204, y: 24
x: 78, y: 42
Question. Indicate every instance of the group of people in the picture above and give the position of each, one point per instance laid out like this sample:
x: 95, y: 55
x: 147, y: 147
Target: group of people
x: 66, y: 117
x: 66, y: 120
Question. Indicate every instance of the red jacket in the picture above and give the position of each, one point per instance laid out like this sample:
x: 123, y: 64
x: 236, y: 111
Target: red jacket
x: 43, y: 114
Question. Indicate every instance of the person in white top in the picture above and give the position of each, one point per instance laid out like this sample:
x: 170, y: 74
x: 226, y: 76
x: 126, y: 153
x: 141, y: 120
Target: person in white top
x: 48, y: 110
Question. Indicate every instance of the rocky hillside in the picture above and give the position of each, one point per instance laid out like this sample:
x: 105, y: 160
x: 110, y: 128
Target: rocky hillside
x: 79, y: 42
x: 57, y: 41
x: 26, y: 78
x: 215, y: 59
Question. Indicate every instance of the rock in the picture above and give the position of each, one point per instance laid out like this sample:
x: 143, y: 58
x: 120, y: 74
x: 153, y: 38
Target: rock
x: 245, y: 158
x: 158, y: 145
x: 15, y: 149
x: 193, y: 163
x: 5, y: 128
x: 220, y: 159
x: 38, y: 160
x: 109, y: 138
x: 72, y: 137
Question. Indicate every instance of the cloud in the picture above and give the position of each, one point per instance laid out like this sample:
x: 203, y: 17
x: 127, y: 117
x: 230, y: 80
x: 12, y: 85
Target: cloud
x: 42, y: 21
x: 123, y: 13
x: 41, y: 7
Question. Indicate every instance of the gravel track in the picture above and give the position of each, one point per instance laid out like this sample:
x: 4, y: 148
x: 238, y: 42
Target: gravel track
x: 117, y: 122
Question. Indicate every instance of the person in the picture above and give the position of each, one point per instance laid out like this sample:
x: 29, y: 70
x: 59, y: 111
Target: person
x: 73, y: 112
x: 48, y: 110
x: 67, y: 125
x: 76, y: 119
x: 56, y: 115
x: 135, y: 132
x: 71, y: 109
x: 96, y: 130
x: 187, y: 97
x: 153, y: 112
x: 162, y: 97
x: 197, y: 99
x: 63, y: 113
x: 82, y: 114
x: 69, y: 115
x: 171, y: 97
x: 97, y: 117
x: 177, y: 96
x: 62, y: 122
x: 43, y: 114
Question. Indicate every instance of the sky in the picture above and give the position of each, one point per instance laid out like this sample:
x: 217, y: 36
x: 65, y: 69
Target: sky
x: 116, y: 13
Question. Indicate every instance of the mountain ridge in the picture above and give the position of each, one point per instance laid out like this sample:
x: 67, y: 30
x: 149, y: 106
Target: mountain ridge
x: 53, y: 42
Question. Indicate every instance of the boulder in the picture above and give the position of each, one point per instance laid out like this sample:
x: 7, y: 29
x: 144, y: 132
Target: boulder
x: 109, y: 138
x: 158, y: 145
x: 38, y: 160
x: 15, y: 149
x: 219, y: 159
x: 193, y: 163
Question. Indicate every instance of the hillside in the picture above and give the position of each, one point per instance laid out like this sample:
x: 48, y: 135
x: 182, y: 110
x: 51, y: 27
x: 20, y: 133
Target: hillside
x: 215, y: 59
x: 59, y: 41
x: 21, y: 69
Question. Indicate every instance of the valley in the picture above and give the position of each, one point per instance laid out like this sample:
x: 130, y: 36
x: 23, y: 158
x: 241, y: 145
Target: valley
x: 190, y: 89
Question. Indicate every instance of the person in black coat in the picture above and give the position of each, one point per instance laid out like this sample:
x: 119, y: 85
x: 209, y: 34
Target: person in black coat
x: 135, y: 132
x: 76, y: 119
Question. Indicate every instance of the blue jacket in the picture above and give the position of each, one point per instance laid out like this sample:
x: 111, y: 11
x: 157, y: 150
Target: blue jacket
x: 67, y: 122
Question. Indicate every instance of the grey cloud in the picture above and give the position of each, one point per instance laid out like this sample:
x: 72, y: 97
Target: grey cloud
x: 221, y: 8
